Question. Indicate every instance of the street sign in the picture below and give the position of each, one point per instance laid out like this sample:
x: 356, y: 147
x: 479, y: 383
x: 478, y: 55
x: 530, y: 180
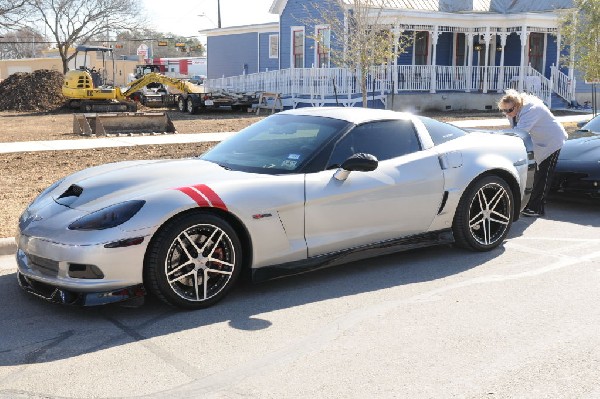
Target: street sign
x: 142, y: 50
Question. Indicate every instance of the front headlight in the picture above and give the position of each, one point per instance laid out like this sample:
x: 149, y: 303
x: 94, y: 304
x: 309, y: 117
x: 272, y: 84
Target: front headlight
x: 108, y: 217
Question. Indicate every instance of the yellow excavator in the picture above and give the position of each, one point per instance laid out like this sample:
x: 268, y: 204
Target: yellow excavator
x: 90, y: 90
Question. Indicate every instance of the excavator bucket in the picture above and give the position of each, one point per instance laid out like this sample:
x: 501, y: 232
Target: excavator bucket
x: 123, y: 123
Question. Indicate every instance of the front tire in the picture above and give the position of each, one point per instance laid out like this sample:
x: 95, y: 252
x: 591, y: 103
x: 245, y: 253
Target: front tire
x: 484, y: 214
x: 181, y: 103
x: 193, y: 261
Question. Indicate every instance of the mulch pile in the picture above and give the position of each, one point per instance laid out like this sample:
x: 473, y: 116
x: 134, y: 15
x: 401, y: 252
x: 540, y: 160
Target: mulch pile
x: 36, y: 91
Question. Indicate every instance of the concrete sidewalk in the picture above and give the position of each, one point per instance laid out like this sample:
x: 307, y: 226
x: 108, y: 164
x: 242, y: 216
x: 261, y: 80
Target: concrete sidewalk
x: 116, y: 141
x: 128, y: 141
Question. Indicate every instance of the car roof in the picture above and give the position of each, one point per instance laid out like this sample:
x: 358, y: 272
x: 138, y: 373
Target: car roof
x: 354, y: 115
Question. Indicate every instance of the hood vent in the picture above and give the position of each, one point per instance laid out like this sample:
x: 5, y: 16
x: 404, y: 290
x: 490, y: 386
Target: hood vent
x: 73, y: 191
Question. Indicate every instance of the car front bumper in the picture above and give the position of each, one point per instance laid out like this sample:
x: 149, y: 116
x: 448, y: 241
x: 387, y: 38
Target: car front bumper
x: 84, y: 275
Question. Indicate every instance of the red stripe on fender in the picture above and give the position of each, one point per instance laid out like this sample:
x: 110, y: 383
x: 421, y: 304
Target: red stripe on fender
x: 211, y: 195
x: 193, y: 194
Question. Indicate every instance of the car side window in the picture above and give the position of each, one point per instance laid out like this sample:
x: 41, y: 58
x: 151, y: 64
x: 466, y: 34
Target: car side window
x: 384, y: 140
x: 441, y: 132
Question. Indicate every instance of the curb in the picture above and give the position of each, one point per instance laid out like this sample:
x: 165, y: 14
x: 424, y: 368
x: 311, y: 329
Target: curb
x: 8, y: 246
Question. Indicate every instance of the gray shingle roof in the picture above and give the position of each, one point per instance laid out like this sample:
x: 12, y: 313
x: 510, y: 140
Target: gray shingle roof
x: 495, y: 6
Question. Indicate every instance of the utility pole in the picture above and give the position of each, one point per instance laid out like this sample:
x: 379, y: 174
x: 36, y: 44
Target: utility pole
x: 219, y: 14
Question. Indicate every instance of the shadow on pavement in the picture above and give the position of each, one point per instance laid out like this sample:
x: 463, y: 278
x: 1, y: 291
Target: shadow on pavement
x: 34, y: 331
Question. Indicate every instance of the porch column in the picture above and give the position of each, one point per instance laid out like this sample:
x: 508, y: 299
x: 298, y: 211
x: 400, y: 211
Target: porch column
x: 395, y: 64
x: 524, y: 34
x: 558, y: 42
x: 434, y: 41
x: 503, y: 37
x: 469, y: 82
x: 572, y: 73
x: 486, y: 37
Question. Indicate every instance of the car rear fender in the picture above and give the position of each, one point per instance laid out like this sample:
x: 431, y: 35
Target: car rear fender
x: 457, y: 180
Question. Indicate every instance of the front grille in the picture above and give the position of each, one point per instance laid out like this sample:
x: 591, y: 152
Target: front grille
x: 43, y: 265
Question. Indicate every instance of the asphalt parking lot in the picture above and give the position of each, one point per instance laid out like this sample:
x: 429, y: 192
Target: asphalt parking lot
x: 518, y: 322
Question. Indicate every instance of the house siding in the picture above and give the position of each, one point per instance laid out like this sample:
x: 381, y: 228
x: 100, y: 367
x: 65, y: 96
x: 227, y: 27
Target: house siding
x: 266, y: 63
x: 236, y: 54
x: 296, y: 13
x: 444, y: 49
x: 512, y: 51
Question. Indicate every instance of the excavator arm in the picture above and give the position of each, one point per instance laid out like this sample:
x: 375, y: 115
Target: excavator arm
x: 153, y: 77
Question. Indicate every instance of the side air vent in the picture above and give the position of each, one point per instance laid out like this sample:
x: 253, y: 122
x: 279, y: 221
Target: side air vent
x: 73, y: 191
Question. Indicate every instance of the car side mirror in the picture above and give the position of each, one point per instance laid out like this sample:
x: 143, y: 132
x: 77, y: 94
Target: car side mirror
x: 358, y: 162
x: 581, y: 123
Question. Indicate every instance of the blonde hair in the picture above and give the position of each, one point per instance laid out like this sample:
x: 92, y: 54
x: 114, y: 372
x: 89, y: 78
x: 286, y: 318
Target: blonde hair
x: 511, y: 96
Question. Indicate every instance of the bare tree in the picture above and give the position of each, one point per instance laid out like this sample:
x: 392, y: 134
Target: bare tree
x: 10, y: 12
x: 581, y: 29
x: 357, y: 37
x: 71, y: 22
x: 22, y: 43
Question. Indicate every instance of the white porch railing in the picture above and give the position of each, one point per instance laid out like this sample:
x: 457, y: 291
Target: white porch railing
x: 319, y: 83
x: 562, y: 85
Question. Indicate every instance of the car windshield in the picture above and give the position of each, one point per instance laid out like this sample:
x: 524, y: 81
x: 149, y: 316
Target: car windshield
x: 277, y: 144
x: 593, y: 126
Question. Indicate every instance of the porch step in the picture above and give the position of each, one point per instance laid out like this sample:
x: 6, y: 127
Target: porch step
x: 557, y: 102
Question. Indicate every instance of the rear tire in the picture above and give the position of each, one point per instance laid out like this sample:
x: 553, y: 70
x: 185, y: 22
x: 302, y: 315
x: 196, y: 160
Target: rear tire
x: 484, y: 214
x: 191, y: 109
x: 193, y: 261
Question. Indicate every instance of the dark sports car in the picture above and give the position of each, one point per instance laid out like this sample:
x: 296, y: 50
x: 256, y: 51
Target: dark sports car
x: 578, y: 168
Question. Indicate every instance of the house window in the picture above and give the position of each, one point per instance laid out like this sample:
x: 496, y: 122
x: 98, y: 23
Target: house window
x: 421, y: 47
x: 297, y: 47
x: 536, y: 51
x: 323, y: 37
x: 273, y: 46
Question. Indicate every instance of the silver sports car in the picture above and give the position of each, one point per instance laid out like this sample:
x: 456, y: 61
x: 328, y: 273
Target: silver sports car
x: 297, y: 191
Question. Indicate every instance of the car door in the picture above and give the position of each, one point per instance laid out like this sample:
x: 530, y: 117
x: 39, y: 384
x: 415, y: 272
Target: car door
x: 399, y: 198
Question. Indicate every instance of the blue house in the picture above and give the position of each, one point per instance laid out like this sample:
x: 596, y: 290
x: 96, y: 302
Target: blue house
x: 461, y: 55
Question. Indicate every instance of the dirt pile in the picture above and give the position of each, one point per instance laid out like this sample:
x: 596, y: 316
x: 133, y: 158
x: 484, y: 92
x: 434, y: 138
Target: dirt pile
x: 36, y: 91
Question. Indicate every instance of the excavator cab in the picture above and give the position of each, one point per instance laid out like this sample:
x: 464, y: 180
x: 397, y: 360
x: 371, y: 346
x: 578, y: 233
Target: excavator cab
x: 91, y: 89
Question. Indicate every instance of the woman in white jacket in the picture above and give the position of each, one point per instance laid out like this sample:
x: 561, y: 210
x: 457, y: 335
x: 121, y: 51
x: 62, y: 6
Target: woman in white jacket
x: 526, y: 112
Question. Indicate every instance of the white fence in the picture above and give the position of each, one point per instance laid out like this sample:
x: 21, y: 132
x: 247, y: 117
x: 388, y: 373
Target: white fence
x: 318, y: 83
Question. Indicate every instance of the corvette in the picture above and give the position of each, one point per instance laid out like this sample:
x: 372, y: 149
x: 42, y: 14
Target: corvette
x: 297, y: 191
x: 577, y: 171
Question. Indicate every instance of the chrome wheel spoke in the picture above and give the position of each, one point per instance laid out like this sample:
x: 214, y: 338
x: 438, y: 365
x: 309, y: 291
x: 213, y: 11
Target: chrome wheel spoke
x: 196, y: 287
x: 502, y: 219
x: 475, y: 220
x: 179, y: 278
x: 218, y: 271
x: 178, y: 268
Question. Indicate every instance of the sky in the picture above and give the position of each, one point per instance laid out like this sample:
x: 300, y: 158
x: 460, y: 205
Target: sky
x: 184, y: 17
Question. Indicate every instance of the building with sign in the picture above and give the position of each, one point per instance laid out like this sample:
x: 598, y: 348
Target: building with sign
x: 182, y: 67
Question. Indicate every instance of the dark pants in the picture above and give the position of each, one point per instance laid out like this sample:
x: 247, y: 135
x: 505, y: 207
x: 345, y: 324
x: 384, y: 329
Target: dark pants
x: 541, y: 183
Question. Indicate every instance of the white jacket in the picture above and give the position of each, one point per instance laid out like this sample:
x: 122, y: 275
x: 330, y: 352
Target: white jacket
x: 547, y: 134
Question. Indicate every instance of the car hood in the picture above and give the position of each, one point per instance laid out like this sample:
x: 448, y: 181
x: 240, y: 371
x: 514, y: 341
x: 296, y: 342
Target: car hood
x: 581, y: 149
x: 104, y: 185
